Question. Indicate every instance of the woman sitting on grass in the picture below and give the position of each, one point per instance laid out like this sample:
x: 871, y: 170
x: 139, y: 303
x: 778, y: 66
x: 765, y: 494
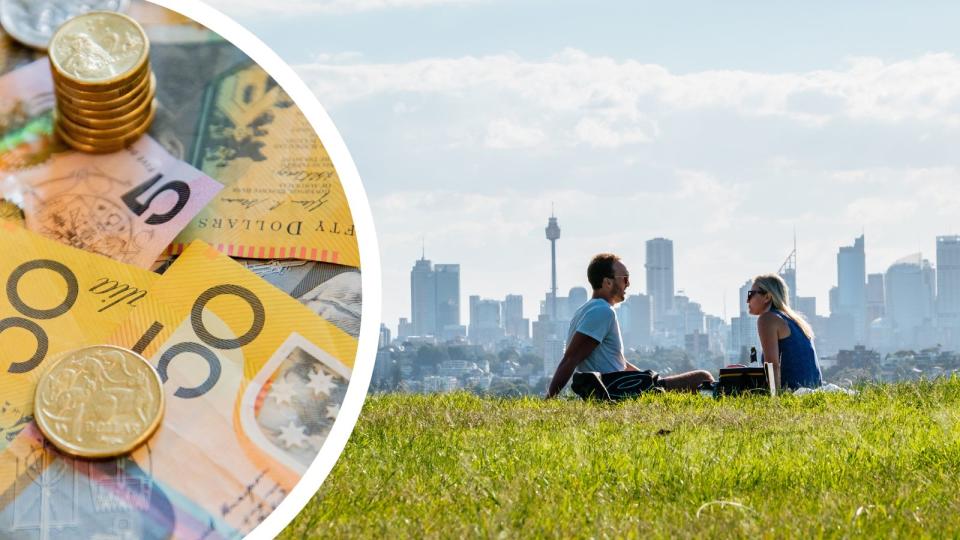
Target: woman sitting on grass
x: 786, y: 338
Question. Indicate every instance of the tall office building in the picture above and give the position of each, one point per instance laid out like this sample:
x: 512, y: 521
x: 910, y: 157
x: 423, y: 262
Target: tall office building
x: 948, y: 288
x: 384, y: 337
x: 513, y: 322
x: 575, y: 298
x: 851, y: 299
x: 635, y: 321
x: 659, y: 269
x: 909, y: 293
x: 434, y: 298
x: 486, y: 325
x: 448, y: 297
x: 423, y: 298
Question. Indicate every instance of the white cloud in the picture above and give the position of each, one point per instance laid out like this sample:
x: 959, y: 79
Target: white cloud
x: 506, y: 134
x: 602, y: 134
x: 603, y: 90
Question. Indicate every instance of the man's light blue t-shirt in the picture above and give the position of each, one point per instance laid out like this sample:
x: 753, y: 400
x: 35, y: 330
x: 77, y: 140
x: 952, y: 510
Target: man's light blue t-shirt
x: 598, y: 320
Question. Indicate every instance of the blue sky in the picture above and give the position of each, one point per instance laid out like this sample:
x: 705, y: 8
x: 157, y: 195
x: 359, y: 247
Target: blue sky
x: 722, y: 127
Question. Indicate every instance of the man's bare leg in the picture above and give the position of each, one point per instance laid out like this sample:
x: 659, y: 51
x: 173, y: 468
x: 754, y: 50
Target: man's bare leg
x: 685, y: 382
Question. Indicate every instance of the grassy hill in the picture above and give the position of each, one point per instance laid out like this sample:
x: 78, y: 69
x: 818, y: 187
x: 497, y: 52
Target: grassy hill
x: 885, y: 462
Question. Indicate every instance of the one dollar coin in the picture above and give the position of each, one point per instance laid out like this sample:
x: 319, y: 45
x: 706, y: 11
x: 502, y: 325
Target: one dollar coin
x: 98, y: 402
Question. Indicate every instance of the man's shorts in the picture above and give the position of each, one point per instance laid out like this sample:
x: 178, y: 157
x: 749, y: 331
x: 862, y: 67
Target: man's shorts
x: 615, y: 385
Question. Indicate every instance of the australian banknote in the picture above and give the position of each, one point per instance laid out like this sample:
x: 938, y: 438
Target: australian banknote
x: 55, y: 298
x: 332, y: 291
x: 329, y: 290
x: 214, y: 330
x: 282, y: 195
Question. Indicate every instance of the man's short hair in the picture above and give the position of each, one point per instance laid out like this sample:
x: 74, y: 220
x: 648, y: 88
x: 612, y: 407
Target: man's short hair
x: 600, y: 267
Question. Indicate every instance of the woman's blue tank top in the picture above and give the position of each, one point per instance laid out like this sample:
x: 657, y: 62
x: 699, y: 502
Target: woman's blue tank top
x: 799, y: 366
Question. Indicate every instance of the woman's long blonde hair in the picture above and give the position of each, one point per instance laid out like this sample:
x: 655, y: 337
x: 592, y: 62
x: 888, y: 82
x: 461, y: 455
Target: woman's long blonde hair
x: 778, y: 290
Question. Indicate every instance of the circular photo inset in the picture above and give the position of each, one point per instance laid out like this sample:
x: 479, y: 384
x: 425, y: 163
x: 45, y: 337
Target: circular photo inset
x: 171, y: 193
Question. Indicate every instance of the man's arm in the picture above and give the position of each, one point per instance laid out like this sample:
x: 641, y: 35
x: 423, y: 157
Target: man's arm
x: 579, y: 348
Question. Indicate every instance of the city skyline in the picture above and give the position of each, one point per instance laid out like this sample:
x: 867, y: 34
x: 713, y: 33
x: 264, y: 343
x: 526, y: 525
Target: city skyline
x: 908, y: 305
x: 853, y: 256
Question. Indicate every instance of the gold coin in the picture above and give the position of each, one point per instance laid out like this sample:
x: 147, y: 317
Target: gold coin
x: 118, y: 129
x: 98, y: 402
x: 107, y: 145
x: 110, y: 114
x: 136, y: 84
x: 82, y: 147
x: 110, y: 104
x: 82, y: 121
x: 101, y: 49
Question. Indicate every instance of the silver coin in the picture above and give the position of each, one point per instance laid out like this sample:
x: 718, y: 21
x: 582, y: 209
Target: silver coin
x: 33, y: 22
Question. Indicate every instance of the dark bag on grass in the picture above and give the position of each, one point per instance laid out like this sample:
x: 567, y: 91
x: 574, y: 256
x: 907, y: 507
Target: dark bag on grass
x: 738, y: 379
x: 615, y: 385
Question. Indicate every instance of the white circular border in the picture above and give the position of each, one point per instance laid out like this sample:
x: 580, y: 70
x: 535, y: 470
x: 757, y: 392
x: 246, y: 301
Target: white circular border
x: 366, y: 238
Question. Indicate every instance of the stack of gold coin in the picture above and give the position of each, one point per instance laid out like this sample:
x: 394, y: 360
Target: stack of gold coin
x: 102, y: 81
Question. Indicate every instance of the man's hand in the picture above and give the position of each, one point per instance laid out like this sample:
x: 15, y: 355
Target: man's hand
x: 578, y: 349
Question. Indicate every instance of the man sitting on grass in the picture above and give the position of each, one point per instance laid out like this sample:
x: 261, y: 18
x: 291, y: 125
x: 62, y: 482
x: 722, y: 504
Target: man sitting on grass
x: 593, y: 340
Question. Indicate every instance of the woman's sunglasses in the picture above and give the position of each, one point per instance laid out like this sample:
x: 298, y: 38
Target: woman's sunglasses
x: 750, y: 294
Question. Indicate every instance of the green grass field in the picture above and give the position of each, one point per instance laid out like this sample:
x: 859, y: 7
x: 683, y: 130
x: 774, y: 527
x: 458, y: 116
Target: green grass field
x: 883, y: 463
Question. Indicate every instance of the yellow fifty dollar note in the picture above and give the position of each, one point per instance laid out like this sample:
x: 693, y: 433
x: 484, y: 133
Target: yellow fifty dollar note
x: 282, y: 197
x: 53, y: 298
x: 210, y: 328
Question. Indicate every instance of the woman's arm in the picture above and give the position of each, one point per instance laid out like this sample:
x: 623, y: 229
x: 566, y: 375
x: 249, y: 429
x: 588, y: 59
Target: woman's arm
x: 767, y: 330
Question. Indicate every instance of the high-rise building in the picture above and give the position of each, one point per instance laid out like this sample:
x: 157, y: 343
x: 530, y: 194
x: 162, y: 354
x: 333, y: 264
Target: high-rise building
x: 719, y: 332
x: 659, y: 270
x: 636, y: 320
x: 743, y: 335
x: 423, y: 298
x: 948, y: 289
x: 553, y: 348
x: 486, y: 326
x: 384, y: 337
x: 434, y: 298
x: 852, y: 287
x: 448, y: 297
x: 909, y: 287
x: 404, y: 328
x: 513, y: 322
x: 575, y: 298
